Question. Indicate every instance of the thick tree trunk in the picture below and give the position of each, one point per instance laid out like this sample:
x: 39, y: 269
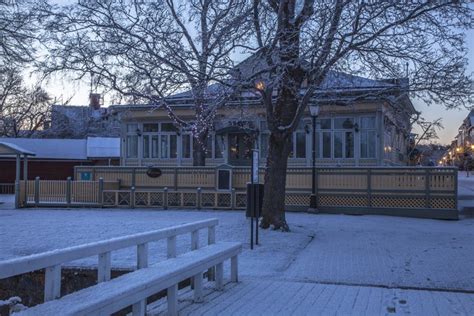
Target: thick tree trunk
x: 199, y: 150
x: 275, y: 182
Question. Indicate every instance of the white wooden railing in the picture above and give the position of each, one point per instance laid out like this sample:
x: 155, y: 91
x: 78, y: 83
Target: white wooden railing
x: 51, y: 261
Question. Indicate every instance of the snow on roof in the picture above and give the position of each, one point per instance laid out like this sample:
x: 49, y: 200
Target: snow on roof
x: 7, y: 148
x: 103, y: 147
x: 74, y: 149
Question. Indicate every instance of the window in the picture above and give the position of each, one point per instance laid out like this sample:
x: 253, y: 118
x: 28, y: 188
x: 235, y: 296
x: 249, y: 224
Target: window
x: 336, y: 138
x: 326, y: 144
x: 150, y: 140
x: 150, y: 128
x: 217, y: 147
x: 300, y: 145
x: 186, y: 145
x: 367, y: 137
x: 132, y: 146
x: 325, y: 123
x: 131, y: 141
x: 168, y: 146
x: 132, y: 128
x: 168, y: 127
x: 298, y: 142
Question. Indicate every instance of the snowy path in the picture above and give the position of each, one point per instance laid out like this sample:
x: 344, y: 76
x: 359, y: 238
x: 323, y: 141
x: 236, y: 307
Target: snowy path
x: 328, y: 262
x: 264, y: 297
x: 389, y: 251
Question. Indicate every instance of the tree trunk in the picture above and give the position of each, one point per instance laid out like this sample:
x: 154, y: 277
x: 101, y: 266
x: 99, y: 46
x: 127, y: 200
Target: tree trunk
x: 199, y: 150
x: 275, y: 182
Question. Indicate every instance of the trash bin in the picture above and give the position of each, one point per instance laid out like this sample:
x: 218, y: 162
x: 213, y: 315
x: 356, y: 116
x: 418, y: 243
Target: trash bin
x: 254, y: 200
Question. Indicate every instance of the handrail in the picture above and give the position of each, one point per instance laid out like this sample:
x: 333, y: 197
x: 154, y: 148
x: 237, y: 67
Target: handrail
x: 47, y: 259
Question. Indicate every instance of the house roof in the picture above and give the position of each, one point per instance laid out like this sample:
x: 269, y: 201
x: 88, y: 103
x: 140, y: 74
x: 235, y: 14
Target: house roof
x: 103, y: 147
x: 7, y: 149
x: 67, y: 149
x: 70, y: 149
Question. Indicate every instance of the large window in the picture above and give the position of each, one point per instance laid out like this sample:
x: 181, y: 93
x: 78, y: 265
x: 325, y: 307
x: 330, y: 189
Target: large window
x: 186, y: 145
x: 298, y: 142
x: 367, y: 137
x: 150, y: 140
x: 132, y: 141
x: 336, y: 137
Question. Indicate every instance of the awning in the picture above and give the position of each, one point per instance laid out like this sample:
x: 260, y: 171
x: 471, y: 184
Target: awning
x: 8, y: 149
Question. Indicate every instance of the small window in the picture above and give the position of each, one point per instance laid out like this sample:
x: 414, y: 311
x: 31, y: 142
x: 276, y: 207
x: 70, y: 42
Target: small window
x: 326, y: 144
x: 325, y: 123
x: 132, y: 146
x: 343, y: 123
x: 209, y: 147
x: 217, y: 148
x: 367, y: 122
x: 150, y: 128
x: 186, y: 144
x: 168, y: 127
x: 300, y: 145
x: 132, y: 128
x: 146, y: 146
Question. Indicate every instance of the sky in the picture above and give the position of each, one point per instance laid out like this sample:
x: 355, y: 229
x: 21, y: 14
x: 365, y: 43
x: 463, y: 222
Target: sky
x: 78, y: 93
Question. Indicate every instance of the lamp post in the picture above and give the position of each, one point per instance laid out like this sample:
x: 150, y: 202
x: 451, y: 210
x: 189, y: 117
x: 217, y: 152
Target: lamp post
x: 313, y: 204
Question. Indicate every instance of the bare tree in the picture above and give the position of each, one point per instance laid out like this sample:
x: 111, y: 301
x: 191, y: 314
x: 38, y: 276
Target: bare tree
x: 150, y: 50
x: 18, y: 32
x: 300, y: 43
x: 24, y: 112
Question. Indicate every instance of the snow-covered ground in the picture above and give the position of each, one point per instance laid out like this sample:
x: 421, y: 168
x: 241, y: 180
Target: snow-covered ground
x: 362, y: 250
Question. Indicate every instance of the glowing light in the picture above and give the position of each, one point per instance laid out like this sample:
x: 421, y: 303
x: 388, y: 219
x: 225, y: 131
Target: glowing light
x: 259, y: 85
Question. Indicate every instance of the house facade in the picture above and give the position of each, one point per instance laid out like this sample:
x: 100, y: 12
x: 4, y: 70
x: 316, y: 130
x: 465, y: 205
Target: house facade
x: 362, y: 122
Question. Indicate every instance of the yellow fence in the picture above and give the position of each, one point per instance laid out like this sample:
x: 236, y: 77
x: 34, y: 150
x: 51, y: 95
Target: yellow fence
x: 374, y: 190
x: 64, y: 192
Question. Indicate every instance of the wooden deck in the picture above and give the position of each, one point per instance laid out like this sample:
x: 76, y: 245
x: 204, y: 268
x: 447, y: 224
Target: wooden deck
x: 268, y: 297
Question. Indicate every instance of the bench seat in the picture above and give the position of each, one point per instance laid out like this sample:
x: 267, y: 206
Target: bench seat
x: 111, y: 296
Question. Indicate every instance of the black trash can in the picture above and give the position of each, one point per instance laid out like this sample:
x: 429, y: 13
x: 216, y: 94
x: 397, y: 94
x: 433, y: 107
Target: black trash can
x: 254, y: 200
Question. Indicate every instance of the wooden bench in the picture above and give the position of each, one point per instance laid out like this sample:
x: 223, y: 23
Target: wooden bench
x: 109, y: 296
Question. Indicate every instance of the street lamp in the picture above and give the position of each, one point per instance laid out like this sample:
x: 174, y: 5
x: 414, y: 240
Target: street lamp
x: 314, y: 111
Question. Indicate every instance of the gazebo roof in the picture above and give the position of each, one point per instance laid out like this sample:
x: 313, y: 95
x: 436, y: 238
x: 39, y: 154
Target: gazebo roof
x: 8, y: 149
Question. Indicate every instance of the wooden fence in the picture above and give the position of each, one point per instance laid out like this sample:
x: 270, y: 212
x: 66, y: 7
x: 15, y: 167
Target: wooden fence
x: 408, y: 191
x: 64, y: 192
x: 7, y: 188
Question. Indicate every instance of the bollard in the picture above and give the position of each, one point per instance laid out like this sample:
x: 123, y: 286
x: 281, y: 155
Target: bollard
x: 132, y: 197
x: 68, y: 192
x: 37, y: 187
x: 198, y: 198
x: 101, y: 192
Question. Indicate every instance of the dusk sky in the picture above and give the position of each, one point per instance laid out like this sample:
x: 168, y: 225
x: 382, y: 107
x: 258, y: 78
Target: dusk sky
x: 79, y: 94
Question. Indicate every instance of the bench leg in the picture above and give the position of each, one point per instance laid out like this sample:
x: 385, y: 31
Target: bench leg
x: 172, y: 298
x: 220, y: 276
x: 234, y: 269
x: 198, y: 293
x: 139, y: 309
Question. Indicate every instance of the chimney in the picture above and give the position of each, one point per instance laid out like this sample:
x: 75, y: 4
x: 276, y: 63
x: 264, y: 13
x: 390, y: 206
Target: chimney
x: 94, y: 101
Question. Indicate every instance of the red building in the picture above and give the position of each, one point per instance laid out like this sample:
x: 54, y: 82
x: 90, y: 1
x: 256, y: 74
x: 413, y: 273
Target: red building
x: 55, y: 158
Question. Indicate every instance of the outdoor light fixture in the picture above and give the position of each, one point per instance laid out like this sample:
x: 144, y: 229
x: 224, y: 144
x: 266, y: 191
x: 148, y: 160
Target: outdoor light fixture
x: 139, y: 133
x: 314, y: 109
x: 259, y: 85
